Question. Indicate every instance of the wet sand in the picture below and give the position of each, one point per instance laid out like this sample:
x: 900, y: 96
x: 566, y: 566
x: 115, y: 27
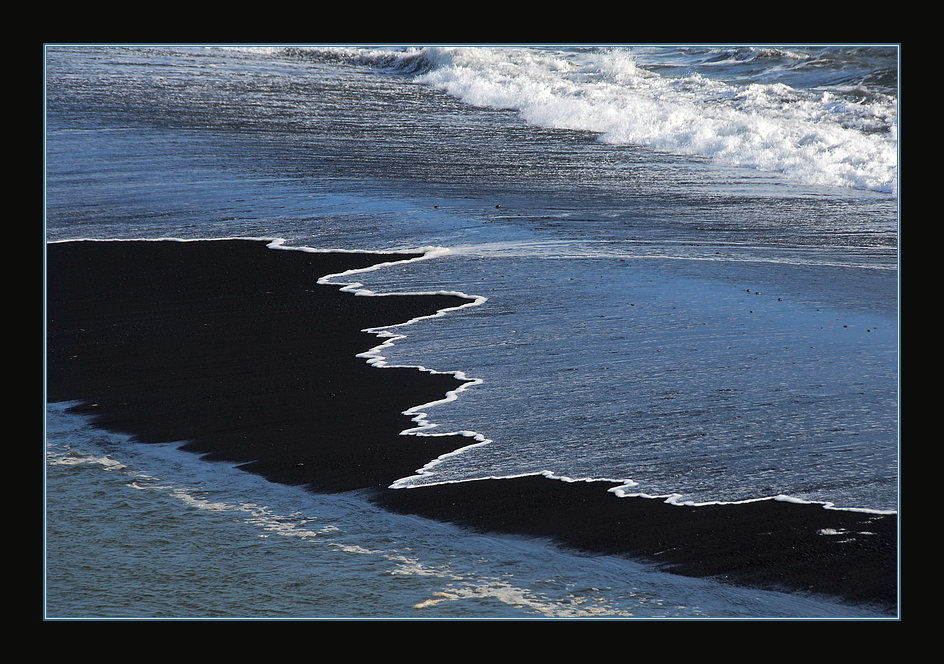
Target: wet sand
x: 236, y: 349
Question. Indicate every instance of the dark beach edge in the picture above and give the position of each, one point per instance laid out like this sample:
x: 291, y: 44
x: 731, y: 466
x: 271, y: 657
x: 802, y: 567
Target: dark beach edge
x: 240, y: 351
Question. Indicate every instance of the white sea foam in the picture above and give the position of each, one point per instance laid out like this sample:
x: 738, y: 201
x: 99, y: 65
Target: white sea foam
x: 375, y: 356
x: 811, y: 136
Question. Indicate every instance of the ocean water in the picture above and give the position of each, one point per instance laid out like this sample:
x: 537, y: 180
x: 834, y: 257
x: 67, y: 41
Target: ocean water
x: 686, y: 268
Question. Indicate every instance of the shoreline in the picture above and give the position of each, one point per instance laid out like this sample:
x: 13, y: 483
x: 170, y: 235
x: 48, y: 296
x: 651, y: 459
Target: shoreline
x: 134, y: 334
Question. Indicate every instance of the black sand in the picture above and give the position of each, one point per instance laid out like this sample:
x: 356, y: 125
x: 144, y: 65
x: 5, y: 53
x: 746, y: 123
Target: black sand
x: 235, y: 348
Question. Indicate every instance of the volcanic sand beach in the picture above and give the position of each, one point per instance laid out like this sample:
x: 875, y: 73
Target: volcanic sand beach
x: 235, y: 349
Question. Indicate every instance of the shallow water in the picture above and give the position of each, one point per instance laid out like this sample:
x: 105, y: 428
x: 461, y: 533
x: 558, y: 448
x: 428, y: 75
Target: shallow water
x: 148, y: 531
